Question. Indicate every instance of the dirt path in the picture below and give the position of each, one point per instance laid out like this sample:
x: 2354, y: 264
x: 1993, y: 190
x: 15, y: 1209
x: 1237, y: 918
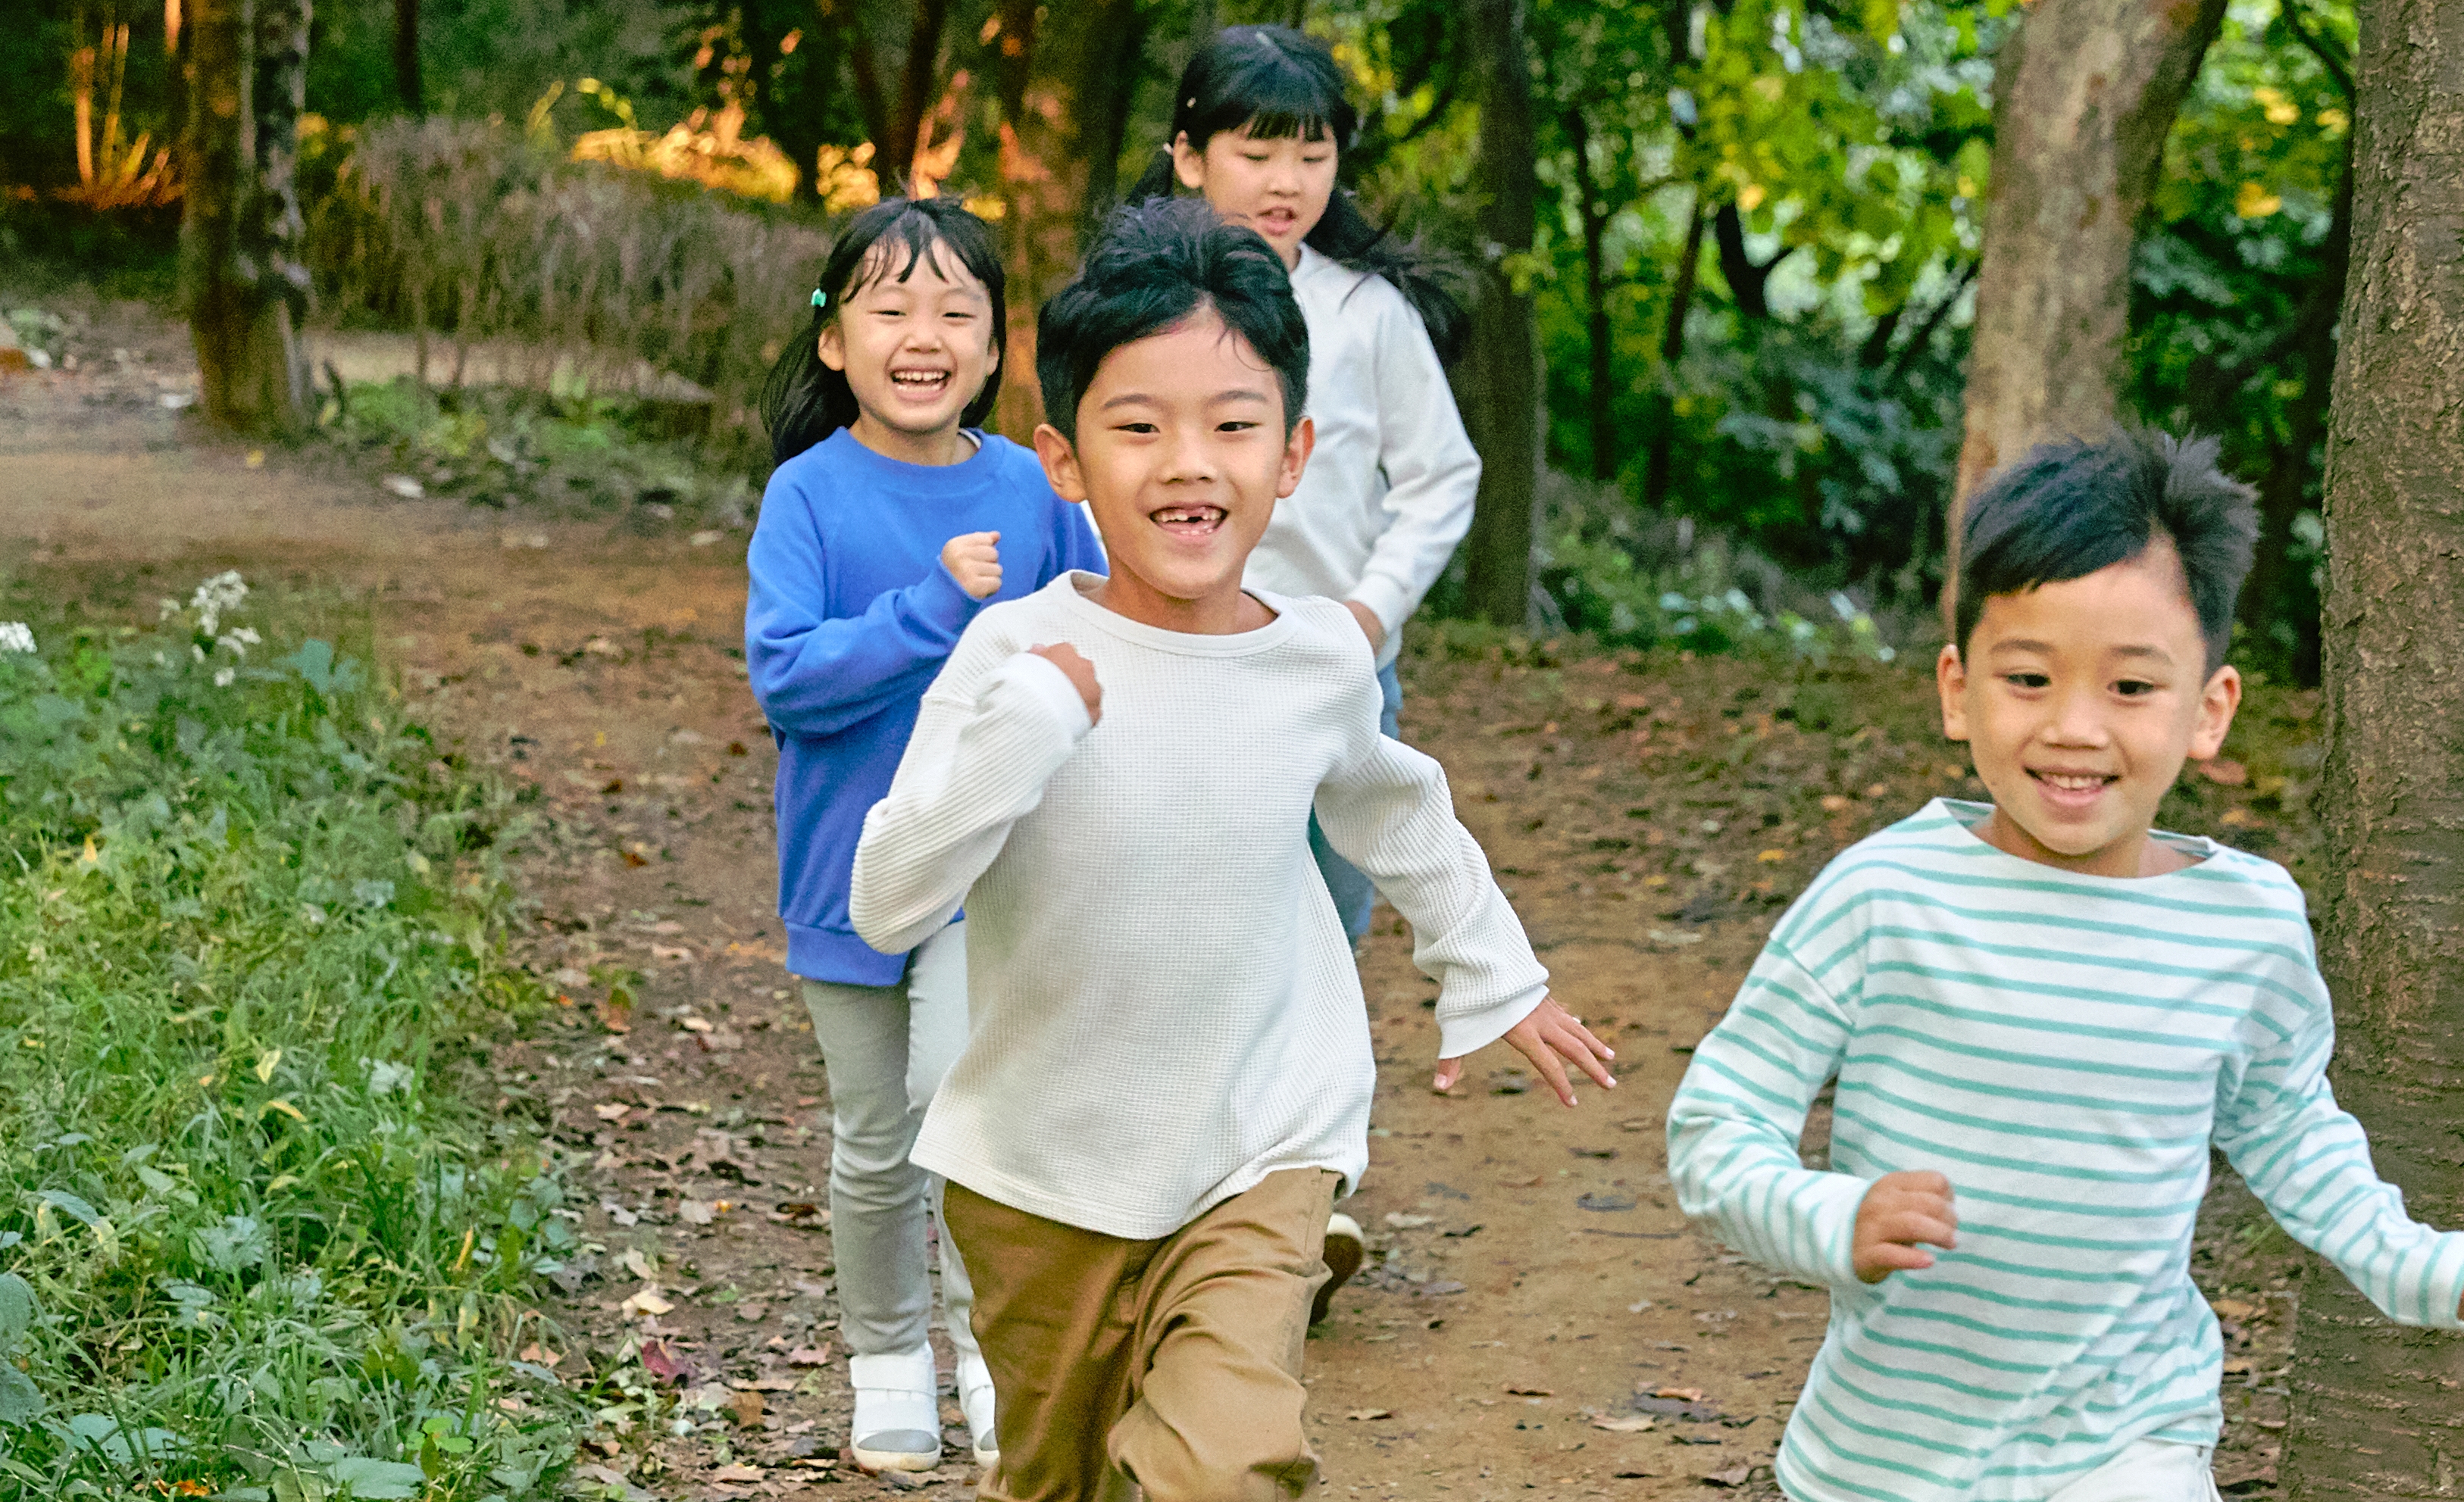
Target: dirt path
x: 1537, y: 1319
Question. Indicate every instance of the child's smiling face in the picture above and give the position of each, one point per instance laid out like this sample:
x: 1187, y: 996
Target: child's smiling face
x: 1277, y: 186
x: 2080, y: 701
x: 915, y: 348
x: 1183, y: 451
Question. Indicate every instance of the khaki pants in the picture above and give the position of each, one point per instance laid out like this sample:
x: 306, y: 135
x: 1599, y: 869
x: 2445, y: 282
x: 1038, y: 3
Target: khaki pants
x: 1173, y: 1365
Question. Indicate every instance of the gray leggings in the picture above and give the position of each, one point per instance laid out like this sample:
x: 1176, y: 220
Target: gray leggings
x: 886, y: 1048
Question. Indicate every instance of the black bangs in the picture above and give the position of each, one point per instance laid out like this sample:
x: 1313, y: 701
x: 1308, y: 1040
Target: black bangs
x: 1274, y: 81
x: 804, y: 401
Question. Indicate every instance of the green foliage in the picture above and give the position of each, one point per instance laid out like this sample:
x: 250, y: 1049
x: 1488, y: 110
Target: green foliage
x: 473, y: 229
x: 1637, y: 582
x: 258, y: 1240
x: 567, y: 448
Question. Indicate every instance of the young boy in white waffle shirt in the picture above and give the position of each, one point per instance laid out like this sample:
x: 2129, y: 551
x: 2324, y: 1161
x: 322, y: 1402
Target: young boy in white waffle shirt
x: 1168, y: 1076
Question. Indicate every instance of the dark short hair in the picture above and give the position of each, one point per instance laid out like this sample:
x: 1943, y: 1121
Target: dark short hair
x: 1157, y: 263
x: 804, y: 400
x: 2070, y: 508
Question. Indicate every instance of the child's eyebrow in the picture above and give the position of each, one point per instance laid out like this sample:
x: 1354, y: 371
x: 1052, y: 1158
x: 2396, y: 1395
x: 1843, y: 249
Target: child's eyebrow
x: 2047, y: 648
x: 1145, y: 399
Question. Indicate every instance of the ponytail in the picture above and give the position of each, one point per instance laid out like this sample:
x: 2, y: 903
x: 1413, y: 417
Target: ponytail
x: 803, y: 400
x: 1275, y: 81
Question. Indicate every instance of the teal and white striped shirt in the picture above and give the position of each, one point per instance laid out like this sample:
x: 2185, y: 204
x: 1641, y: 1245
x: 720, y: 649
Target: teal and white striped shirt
x: 2064, y: 1048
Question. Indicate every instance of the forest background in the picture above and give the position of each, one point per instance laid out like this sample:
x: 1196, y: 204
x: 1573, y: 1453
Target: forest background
x: 1749, y: 233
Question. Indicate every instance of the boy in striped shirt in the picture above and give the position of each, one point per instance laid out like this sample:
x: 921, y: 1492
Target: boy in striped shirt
x: 2041, y: 1013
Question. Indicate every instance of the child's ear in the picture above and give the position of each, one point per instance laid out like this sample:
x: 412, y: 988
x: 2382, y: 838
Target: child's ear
x: 832, y: 346
x: 1059, y: 458
x: 1950, y: 677
x: 1298, y: 446
x: 1188, y: 164
x: 2217, y: 703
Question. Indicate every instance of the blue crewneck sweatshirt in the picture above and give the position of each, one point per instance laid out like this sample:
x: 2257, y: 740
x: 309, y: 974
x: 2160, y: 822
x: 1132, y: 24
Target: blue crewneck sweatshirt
x: 849, y: 619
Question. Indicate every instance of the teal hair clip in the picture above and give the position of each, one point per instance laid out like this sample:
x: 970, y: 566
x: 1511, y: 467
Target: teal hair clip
x: 821, y: 299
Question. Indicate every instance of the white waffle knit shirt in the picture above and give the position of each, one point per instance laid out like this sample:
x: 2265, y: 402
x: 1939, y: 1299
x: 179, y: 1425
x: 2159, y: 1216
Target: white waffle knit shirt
x: 1163, y: 1006
x: 1389, y: 489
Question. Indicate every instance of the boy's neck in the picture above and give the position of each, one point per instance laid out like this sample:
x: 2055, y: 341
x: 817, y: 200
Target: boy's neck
x: 2136, y: 855
x: 1223, y: 612
x: 936, y: 449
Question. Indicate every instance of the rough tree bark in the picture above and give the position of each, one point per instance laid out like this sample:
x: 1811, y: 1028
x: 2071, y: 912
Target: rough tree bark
x: 2374, y: 1407
x: 1498, y: 382
x: 2085, y: 91
x: 241, y: 280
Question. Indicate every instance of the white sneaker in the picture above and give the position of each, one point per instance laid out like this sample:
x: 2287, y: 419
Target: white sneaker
x: 898, y: 1411
x: 976, y: 1400
x: 1344, y: 1248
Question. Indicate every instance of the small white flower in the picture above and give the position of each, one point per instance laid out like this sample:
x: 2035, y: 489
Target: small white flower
x: 170, y: 608
x: 224, y: 679
x: 238, y: 640
x: 217, y: 597
x: 16, y: 636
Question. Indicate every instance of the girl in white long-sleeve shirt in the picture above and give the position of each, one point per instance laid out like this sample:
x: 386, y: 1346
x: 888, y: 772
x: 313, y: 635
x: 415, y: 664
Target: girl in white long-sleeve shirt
x: 1259, y: 126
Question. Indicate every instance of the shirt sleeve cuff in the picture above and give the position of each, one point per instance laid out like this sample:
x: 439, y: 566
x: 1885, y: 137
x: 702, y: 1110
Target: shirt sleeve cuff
x: 941, y: 599
x: 1047, y: 685
x: 1832, y: 1218
x: 1476, y: 1031
x: 1386, y: 599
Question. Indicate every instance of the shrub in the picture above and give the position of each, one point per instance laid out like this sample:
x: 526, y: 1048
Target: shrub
x: 470, y: 228
x: 1632, y: 579
x: 257, y: 1240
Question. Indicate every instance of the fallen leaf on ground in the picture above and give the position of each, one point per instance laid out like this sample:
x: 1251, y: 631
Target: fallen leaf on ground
x: 612, y: 1111
x: 1369, y: 1413
x: 641, y: 1266
x: 646, y: 1302
x: 1680, y: 1394
x: 1626, y: 1424
x: 810, y: 1355
x: 696, y: 1212
x: 745, y: 1408
x: 1733, y: 1476
x: 661, y: 1360
x: 737, y: 1472
x: 2233, y: 1308
x: 1402, y: 1222
x: 541, y: 1355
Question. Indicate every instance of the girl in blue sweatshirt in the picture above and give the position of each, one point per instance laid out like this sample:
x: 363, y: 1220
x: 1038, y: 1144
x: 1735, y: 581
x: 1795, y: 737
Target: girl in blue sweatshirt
x: 891, y: 520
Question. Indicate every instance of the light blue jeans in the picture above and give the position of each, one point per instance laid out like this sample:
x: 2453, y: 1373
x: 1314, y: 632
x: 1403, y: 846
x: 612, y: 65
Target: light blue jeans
x: 1353, y: 893
x: 886, y: 1048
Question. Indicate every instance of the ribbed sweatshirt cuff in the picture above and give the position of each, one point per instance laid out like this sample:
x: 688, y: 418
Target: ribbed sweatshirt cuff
x: 942, y: 602
x: 1041, y: 677
x: 1475, y: 1030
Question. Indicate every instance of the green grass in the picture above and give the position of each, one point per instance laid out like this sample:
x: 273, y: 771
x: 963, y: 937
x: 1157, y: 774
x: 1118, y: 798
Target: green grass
x: 256, y: 1237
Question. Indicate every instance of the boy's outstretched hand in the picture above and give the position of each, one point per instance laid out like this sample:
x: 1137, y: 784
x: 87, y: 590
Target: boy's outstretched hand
x: 1549, y: 1037
x: 974, y: 561
x: 1081, y: 673
x: 1900, y: 1216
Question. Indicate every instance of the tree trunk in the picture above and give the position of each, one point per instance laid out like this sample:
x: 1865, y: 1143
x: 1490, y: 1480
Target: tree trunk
x: 1500, y: 378
x: 2084, y: 94
x: 2373, y: 1405
x: 1749, y: 280
x: 1660, y: 461
x: 1600, y: 388
x: 1064, y: 78
x: 405, y: 57
x: 2286, y: 489
x: 239, y: 229
x: 917, y: 88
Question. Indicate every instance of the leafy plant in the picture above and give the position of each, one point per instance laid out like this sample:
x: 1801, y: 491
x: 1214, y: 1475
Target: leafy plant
x: 258, y: 1239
